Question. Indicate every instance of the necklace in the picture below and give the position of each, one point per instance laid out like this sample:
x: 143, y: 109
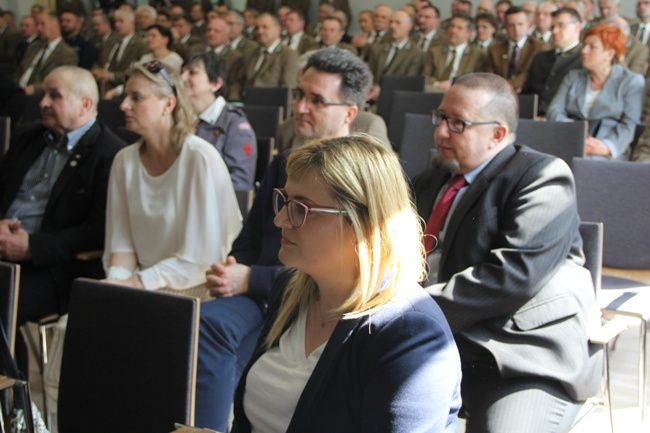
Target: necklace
x: 322, y: 317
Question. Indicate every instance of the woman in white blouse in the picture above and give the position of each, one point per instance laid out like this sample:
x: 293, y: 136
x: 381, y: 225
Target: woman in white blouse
x: 171, y: 210
x: 605, y: 93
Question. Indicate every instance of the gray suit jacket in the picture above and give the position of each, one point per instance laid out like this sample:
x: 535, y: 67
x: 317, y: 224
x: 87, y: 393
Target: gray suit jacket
x: 472, y: 60
x: 511, y: 278
x: 365, y: 122
x: 617, y: 108
x: 498, y: 63
x: 408, y: 61
x: 280, y: 69
x: 61, y: 55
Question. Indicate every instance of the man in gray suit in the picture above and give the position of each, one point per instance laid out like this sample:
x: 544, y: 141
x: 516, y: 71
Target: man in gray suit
x: 274, y: 65
x: 42, y: 58
x: 115, y: 59
x: 505, y: 259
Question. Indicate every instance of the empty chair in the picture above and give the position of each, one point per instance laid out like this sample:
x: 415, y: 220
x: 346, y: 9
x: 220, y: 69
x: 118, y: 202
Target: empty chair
x: 265, y: 121
x: 616, y: 193
x: 389, y: 84
x: 528, y: 106
x: 405, y: 101
x: 417, y: 143
x: 566, y: 140
x: 129, y: 360
x: 269, y: 96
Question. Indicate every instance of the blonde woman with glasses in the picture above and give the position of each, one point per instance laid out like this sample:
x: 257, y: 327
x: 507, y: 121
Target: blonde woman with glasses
x: 352, y: 343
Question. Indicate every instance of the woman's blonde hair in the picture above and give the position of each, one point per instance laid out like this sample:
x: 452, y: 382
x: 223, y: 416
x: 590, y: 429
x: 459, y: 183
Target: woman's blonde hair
x: 367, y: 181
x: 183, y: 114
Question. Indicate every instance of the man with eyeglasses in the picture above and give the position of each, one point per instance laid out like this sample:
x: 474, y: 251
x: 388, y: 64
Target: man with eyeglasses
x: 505, y: 259
x: 332, y: 88
x: 550, y: 67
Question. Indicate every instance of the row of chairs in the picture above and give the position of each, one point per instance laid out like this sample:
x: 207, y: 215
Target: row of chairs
x: 129, y: 358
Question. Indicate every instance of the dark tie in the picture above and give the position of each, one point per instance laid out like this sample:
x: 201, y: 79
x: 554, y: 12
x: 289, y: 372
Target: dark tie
x: 512, y: 61
x: 389, y: 60
x: 440, y: 211
x: 642, y: 35
x: 450, y: 66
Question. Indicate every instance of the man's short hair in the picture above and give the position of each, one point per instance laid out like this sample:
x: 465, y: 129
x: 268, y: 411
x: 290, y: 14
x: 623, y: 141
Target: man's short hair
x: 299, y: 13
x: 465, y: 17
x: 435, y: 8
x: 504, y: 102
x: 569, y: 11
x: 516, y: 10
x: 356, y: 77
x: 489, y: 18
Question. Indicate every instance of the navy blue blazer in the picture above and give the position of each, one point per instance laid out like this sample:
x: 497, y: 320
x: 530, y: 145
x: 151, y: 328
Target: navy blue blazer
x: 395, y: 371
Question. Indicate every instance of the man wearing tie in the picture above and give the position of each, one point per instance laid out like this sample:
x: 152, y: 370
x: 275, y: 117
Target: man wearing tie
x: 115, y: 59
x: 296, y: 38
x: 506, y: 265
x: 401, y: 57
x: 550, y: 67
x: 642, y: 29
x: 512, y: 58
x: 428, y: 20
x: 445, y: 62
x: 40, y: 59
x: 274, y: 65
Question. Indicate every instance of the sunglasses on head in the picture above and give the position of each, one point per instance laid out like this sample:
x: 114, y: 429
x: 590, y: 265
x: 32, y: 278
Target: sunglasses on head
x: 155, y: 67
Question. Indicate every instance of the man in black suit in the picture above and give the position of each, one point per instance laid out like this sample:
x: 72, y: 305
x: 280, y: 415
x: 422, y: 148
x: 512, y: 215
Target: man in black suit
x: 506, y: 265
x: 53, y: 185
x: 550, y: 67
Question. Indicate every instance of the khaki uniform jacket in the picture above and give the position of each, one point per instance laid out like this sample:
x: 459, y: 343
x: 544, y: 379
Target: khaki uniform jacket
x: 498, y: 62
x: 435, y: 68
x: 408, y: 61
x: 61, y: 55
x: 279, y: 69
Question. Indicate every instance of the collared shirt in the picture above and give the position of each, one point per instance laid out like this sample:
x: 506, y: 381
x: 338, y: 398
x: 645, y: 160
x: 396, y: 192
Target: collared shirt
x: 234, y: 43
x: 520, y: 45
x: 459, y: 49
x: 567, y: 49
x: 34, y: 191
x: 211, y: 114
x: 427, y: 39
x: 484, y: 45
x: 120, y: 50
x: 433, y: 259
x: 643, y: 33
x: 294, y: 40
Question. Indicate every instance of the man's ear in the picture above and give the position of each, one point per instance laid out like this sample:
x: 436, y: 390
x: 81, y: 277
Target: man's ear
x: 352, y: 112
x: 500, y: 133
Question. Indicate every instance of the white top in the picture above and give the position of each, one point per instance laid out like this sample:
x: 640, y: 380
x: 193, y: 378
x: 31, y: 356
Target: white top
x: 177, y: 223
x: 590, y: 99
x: 276, y: 380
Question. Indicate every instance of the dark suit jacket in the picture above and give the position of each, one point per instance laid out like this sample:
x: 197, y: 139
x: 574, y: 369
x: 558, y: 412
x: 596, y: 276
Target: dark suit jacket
x: 497, y: 60
x: 61, y: 55
x: 280, y: 69
x: 511, y: 278
x: 394, y: 371
x: 9, y: 41
x: 408, y: 61
x: 105, y: 49
x: 75, y: 215
x: 547, y: 72
x: 435, y: 61
x: 135, y: 49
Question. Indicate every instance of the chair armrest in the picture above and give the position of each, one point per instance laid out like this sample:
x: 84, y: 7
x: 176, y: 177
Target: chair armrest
x: 607, y: 332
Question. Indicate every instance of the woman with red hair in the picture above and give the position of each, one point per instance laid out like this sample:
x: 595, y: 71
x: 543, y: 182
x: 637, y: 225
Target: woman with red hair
x: 604, y: 93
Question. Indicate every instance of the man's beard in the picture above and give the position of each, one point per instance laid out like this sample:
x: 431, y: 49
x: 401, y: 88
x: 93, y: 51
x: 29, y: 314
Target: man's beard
x: 449, y: 164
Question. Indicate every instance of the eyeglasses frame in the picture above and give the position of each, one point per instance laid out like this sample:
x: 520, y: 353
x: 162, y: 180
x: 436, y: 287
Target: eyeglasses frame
x: 308, y: 209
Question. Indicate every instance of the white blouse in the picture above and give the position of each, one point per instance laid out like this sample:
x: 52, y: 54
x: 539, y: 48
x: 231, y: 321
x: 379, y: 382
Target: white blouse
x: 276, y: 380
x: 177, y: 223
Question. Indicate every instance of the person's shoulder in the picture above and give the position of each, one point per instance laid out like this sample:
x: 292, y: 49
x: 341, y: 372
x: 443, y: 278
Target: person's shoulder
x: 532, y: 161
x: 628, y: 75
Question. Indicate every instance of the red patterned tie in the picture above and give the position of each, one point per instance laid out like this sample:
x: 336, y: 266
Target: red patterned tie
x: 440, y: 211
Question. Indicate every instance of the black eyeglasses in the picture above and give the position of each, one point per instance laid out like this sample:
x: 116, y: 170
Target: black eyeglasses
x: 297, y: 211
x: 155, y: 67
x: 455, y: 125
x: 315, y: 100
